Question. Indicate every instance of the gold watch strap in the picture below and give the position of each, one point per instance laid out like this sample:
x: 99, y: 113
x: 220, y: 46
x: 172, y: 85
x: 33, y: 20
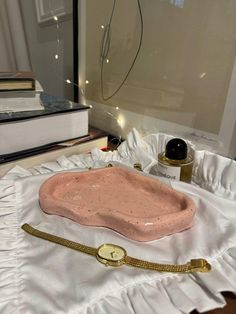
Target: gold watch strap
x: 58, y: 240
x: 195, y: 265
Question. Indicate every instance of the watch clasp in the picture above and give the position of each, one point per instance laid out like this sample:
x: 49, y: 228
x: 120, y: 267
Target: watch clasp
x: 199, y: 265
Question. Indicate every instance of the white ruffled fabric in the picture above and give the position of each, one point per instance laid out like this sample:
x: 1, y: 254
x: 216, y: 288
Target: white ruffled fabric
x: 37, y: 276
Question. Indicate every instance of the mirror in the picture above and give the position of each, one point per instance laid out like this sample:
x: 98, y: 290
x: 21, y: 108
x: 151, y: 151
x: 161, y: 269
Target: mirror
x: 38, y: 36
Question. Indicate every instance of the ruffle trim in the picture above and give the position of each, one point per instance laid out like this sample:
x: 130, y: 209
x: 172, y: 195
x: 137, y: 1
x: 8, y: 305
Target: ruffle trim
x: 215, y: 174
x: 8, y: 247
x: 173, y: 294
x: 212, y: 172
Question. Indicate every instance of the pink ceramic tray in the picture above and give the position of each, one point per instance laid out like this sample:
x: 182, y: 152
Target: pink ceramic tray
x: 137, y: 206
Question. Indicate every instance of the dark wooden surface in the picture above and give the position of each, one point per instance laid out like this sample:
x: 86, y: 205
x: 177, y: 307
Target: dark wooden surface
x: 230, y: 307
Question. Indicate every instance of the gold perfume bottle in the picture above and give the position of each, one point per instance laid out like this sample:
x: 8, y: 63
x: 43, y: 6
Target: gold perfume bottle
x: 175, y: 162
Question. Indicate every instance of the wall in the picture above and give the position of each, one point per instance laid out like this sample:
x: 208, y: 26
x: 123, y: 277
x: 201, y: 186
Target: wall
x: 42, y: 44
x: 182, y: 75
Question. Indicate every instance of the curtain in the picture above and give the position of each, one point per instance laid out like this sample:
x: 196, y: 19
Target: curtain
x: 13, y: 45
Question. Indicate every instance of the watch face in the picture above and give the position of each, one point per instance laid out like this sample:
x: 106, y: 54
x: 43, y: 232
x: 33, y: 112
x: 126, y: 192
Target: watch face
x: 111, y: 254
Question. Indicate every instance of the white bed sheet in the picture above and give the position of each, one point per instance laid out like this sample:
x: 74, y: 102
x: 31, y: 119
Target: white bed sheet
x: 37, y: 276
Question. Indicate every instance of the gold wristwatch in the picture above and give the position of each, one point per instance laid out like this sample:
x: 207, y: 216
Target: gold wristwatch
x: 114, y: 255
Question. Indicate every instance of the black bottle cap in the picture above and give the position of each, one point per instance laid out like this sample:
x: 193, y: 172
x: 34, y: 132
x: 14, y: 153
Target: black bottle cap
x: 176, y: 149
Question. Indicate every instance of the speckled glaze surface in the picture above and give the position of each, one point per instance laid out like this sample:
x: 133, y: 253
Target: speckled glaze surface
x: 139, y: 207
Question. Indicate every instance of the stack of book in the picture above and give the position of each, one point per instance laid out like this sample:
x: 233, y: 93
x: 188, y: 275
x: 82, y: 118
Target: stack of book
x: 31, y: 157
x: 36, y: 127
x: 57, y: 120
x: 19, y: 91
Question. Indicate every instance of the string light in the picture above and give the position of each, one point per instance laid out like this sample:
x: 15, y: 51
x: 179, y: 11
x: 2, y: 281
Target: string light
x: 58, y: 39
x: 120, y: 120
x: 55, y: 18
x: 202, y: 75
x: 56, y: 56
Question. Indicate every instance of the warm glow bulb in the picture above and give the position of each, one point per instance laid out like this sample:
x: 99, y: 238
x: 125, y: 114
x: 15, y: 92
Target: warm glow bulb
x: 55, y: 18
x: 117, y: 108
x: 68, y: 81
x: 202, y: 75
x: 56, y: 56
x: 102, y: 26
x: 121, y: 121
x: 87, y: 82
x: 107, y: 60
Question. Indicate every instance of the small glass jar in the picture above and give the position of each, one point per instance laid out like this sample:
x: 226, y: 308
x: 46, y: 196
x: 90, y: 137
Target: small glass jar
x: 175, y: 163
